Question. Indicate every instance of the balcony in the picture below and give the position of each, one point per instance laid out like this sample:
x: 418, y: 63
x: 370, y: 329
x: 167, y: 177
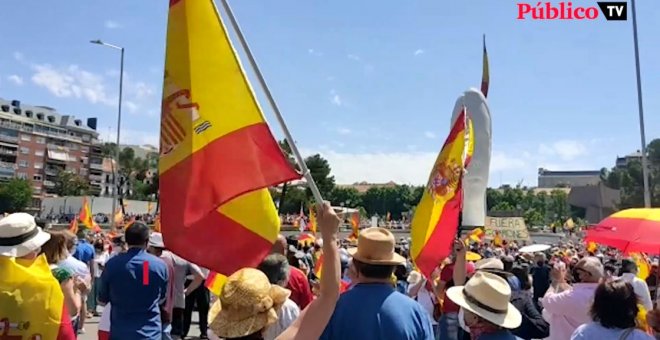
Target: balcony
x: 96, y: 166
x: 8, y: 152
x: 49, y: 184
x: 8, y: 139
x: 96, y: 178
x: 51, y: 172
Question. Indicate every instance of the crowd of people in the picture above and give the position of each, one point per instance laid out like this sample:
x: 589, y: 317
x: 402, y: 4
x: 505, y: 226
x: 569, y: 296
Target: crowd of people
x: 331, y: 290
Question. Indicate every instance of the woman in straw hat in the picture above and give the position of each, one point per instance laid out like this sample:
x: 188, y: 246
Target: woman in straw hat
x: 485, y: 303
x: 248, y: 303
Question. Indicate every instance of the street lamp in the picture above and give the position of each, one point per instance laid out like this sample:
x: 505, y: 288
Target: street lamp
x: 645, y: 169
x: 116, y: 170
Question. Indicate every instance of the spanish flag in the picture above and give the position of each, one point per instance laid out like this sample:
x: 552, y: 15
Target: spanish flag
x: 30, y: 287
x: 643, y: 267
x: 157, y: 223
x: 73, y: 226
x: 214, y: 282
x: 217, y: 154
x: 435, y: 222
x: 497, y: 240
x: 485, y: 73
x: 476, y: 235
x: 318, y: 267
x: 312, y: 221
x: 85, y: 214
x: 355, y: 226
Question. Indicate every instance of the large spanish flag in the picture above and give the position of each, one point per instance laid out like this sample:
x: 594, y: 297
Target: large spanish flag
x: 27, y: 288
x: 218, y: 156
x: 435, y: 222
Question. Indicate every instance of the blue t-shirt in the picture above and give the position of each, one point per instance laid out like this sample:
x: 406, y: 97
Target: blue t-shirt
x: 84, y: 252
x: 135, y: 312
x: 377, y: 311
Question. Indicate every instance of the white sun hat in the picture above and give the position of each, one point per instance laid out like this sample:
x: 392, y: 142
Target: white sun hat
x: 487, y: 295
x: 19, y: 235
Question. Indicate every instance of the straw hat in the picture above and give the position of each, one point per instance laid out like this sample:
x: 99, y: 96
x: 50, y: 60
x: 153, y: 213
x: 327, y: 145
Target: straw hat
x: 19, y: 235
x: 489, y: 263
x: 248, y: 303
x: 376, y: 246
x: 487, y: 295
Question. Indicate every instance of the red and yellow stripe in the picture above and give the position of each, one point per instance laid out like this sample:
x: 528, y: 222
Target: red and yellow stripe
x: 318, y: 267
x: 214, y: 282
x: 219, y: 157
x: 630, y: 230
x: 355, y: 226
x: 435, y: 222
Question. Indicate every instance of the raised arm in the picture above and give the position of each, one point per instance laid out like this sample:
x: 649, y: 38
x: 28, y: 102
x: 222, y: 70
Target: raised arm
x: 313, y: 319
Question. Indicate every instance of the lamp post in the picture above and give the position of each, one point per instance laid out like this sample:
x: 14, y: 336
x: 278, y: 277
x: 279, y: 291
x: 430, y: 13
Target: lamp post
x: 645, y: 169
x: 116, y: 170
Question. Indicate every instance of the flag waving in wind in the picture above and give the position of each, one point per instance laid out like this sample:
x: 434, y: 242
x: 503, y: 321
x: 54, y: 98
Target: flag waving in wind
x: 218, y: 156
x: 435, y: 222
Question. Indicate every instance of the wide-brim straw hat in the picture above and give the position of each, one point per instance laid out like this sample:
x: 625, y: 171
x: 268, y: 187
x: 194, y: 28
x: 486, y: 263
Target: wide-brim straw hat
x: 487, y: 295
x: 19, y: 235
x: 376, y: 246
x: 248, y: 303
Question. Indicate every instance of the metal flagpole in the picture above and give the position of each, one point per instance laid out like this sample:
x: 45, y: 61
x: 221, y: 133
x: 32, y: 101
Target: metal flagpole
x: 271, y: 100
x: 645, y: 169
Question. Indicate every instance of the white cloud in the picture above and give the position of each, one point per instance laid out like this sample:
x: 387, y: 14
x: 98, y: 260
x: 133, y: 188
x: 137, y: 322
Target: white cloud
x: 314, y: 52
x: 110, y: 24
x: 17, y: 80
x: 131, y: 106
x: 566, y: 150
x: 418, y: 52
x: 430, y: 135
x: 335, y: 98
x: 18, y: 56
x: 71, y: 81
x: 343, y: 131
x: 353, y: 57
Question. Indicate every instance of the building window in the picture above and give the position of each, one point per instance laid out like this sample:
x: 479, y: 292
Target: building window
x: 41, y: 140
x: 86, y: 138
x: 39, y: 153
x: 38, y: 165
x: 36, y: 178
x: 22, y: 164
x: 84, y: 149
x: 73, y: 158
x: 74, y: 146
x: 25, y: 150
x: 25, y: 137
x: 36, y: 190
x: 21, y: 175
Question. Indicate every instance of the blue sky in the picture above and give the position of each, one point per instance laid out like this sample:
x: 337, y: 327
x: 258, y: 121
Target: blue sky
x: 369, y: 84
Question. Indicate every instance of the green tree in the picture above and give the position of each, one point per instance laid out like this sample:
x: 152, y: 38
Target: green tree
x: 294, y: 199
x: 15, y: 195
x: 286, y: 150
x: 69, y: 184
x: 320, y: 171
x: 349, y: 197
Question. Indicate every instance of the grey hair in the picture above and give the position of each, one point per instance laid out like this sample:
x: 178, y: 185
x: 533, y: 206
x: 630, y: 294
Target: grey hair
x: 276, y: 267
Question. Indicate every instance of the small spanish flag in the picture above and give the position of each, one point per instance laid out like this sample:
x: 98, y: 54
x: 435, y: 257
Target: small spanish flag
x: 73, y: 226
x: 355, y: 226
x: 643, y: 267
x: 477, y: 235
x: 497, y: 240
x: 214, y: 282
x: 157, y: 223
x: 592, y: 247
x: 318, y: 267
x: 312, y: 221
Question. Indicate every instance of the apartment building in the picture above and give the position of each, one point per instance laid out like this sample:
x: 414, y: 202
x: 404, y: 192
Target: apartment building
x: 37, y: 142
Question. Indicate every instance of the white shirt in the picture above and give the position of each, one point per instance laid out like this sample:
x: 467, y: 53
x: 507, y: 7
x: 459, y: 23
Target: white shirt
x: 99, y: 260
x: 104, y: 323
x: 426, y: 300
x: 641, y: 289
x: 285, y: 317
x: 595, y: 330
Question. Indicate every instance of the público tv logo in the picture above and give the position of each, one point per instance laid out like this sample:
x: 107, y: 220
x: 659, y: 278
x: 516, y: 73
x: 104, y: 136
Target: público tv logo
x: 615, y: 11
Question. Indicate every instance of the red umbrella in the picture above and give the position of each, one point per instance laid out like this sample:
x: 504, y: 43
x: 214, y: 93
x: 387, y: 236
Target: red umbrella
x: 630, y: 230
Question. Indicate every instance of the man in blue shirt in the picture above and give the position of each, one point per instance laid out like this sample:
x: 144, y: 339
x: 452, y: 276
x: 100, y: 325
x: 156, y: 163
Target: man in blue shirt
x: 373, y: 309
x: 135, y: 284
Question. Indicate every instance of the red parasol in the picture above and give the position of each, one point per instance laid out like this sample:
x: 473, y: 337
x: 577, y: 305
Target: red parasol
x: 630, y: 230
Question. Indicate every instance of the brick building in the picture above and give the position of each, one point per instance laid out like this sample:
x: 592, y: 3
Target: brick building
x: 36, y: 143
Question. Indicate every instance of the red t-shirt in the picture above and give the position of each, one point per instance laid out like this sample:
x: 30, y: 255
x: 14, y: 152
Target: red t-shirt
x: 446, y: 275
x: 301, y: 293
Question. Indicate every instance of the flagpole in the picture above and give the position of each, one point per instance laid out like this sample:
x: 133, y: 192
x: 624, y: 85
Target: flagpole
x: 645, y: 170
x: 271, y: 100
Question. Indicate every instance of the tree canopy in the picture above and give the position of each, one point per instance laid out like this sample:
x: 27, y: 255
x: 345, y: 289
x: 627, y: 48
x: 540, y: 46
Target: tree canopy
x: 15, y: 195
